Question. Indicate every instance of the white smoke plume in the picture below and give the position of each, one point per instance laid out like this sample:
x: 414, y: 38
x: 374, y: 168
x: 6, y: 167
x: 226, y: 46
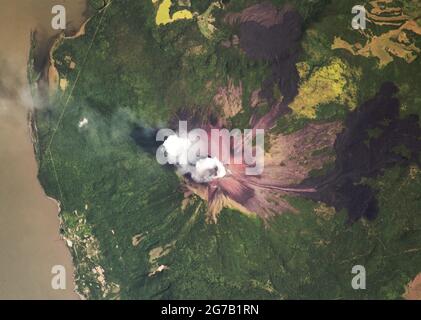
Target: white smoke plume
x: 178, y: 151
x: 13, y: 90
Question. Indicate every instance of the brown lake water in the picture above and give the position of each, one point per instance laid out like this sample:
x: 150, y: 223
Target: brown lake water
x: 30, y: 244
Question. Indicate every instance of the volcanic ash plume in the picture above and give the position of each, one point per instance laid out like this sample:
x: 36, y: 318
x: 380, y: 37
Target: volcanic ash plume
x: 179, y: 151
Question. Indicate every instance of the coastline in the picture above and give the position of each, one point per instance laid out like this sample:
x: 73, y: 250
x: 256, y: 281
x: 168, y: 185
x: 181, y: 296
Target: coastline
x: 50, y: 76
x: 33, y: 135
x: 30, y: 242
x: 32, y: 130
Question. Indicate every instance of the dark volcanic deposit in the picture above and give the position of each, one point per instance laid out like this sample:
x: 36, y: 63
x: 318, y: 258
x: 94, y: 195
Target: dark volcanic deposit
x: 273, y: 35
x: 359, y: 156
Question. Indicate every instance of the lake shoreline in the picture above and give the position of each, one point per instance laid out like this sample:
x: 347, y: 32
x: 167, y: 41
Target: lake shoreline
x: 31, y: 241
x: 51, y: 85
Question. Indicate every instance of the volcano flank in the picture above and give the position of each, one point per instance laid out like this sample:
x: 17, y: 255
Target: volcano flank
x: 273, y: 35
